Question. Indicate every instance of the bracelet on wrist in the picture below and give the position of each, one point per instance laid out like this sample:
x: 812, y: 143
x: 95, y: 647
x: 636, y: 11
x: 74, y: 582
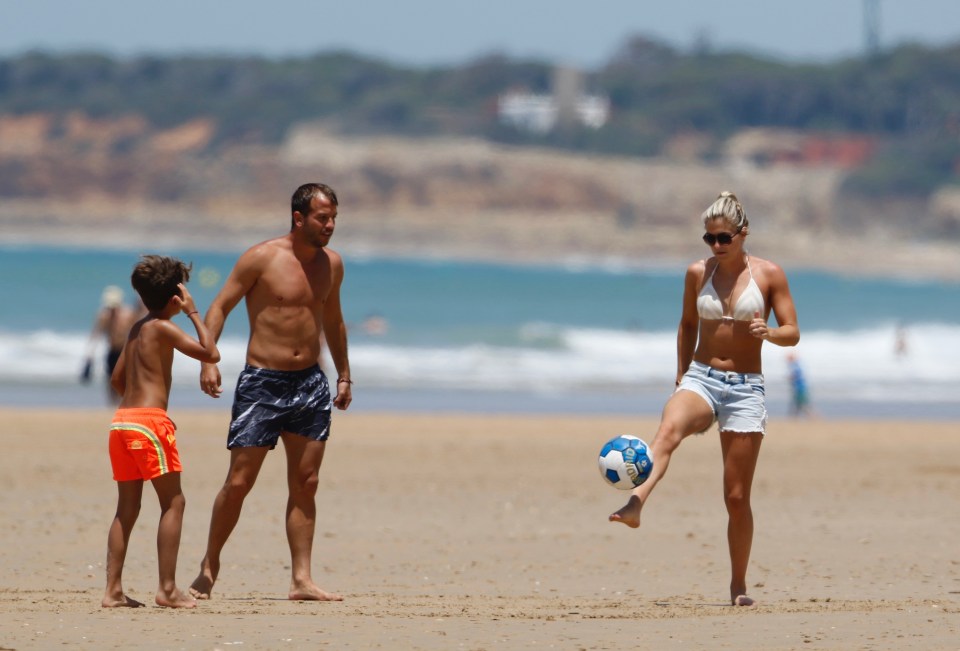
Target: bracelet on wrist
x: 343, y: 379
x: 191, y: 313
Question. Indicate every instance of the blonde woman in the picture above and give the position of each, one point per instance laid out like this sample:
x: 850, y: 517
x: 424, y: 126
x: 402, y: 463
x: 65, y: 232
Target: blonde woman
x: 727, y: 300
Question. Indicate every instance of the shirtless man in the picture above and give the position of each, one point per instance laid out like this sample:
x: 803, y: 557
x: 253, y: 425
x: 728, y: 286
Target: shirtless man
x: 112, y: 323
x: 291, y: 286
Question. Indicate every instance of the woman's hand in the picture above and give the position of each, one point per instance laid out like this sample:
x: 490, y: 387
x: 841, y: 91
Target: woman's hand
x: 758, y: 327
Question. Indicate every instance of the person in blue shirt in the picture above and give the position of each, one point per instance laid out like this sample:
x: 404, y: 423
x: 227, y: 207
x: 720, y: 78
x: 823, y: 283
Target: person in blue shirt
x: 800, y: 397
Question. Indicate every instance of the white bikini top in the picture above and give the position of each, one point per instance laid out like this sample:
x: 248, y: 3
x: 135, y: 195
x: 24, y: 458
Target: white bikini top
x: 709, y: 305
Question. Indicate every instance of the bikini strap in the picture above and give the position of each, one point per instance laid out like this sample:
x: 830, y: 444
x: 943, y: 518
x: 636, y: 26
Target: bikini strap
x: 706, y: 276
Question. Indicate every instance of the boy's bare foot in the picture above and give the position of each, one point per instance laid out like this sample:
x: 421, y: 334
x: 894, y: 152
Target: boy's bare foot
x: 310, y: 592
x: 175, y: 599
x: 202, y: 586
x: 629, y: 514
x: 123, y: 601
x: 742, y: 600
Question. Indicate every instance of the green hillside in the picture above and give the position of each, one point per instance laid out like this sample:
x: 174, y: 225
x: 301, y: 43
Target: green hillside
x: 907, y: 99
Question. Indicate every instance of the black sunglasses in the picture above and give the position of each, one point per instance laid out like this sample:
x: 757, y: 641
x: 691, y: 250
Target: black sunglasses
x: 720, y: 238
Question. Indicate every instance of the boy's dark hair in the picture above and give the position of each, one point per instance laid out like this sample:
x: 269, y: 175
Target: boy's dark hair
x: 300, y: 202
x: 156, y: 278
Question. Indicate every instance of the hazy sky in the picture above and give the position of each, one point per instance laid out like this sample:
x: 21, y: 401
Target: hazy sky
x: 581, y: 33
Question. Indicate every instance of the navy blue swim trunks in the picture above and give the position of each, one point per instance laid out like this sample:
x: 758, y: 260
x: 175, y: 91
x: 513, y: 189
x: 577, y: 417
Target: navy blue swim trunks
x: 269, y: 402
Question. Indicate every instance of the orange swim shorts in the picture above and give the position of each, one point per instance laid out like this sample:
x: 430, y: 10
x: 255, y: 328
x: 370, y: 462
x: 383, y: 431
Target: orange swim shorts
x: 143, y: 444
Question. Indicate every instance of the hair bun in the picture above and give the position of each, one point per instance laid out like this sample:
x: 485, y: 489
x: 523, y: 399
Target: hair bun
x: 727, y: 193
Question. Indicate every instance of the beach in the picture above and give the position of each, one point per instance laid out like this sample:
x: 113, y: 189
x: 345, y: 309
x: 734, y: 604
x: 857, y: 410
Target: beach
x: 455, y: 531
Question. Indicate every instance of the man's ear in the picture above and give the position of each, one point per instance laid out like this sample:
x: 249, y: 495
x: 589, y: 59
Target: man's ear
x: 297, y: 218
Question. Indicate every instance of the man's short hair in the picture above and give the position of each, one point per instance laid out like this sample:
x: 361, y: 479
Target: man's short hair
x: 305, y: 194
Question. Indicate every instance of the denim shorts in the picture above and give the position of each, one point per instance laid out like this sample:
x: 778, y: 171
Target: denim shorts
x: 738, y: 400
x: 269, y: 402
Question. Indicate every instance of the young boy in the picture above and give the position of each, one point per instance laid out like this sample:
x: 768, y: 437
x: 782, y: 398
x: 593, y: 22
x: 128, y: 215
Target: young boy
x: 142, y: 442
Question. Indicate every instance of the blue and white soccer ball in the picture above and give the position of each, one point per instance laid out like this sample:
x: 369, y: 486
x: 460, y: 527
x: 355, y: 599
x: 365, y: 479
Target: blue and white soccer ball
x: 626, y: 462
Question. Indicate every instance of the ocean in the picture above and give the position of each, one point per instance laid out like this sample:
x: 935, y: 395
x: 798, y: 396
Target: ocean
x: 566, y: 338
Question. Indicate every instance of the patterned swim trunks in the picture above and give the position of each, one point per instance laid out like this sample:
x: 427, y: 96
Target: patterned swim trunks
x: 268, y: 402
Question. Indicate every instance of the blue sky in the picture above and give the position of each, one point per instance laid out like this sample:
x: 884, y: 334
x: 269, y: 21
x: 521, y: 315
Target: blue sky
x: 426, y: 32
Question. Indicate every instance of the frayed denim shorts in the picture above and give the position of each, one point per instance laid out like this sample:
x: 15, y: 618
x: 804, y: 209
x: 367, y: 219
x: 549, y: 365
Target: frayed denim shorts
x: 738, y: 400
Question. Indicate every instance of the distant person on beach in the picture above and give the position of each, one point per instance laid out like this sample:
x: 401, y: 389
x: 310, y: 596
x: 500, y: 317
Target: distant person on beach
x: 291, y: 285
x: 143, y: 445
x: 375, y: 325
x: 799, y: 393
x: 900, y: 347
x: 112, y: 323
x: 726, y: 302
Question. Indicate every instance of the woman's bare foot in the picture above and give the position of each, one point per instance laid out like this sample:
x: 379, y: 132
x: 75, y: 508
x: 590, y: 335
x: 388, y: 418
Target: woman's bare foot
x: 310, y: 592
x: 123, y: 601
x: 202, y: 586
x: 175, y: 599
x: 742, y: 600
x: 629, y: 514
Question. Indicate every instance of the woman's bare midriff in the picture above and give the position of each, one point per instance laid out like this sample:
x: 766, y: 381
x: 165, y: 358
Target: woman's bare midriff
x: 727, y: 345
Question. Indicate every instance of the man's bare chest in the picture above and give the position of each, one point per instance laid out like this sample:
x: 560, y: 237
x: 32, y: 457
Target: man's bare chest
x: 294, y: 286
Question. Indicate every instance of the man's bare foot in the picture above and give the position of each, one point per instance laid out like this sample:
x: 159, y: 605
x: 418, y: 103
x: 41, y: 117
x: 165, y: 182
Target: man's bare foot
x: 311, y: 592
x: 742, y: 600
x: 175, y: 599
x: 629, y: 514
x: 202, y: 586
x: 123, y: 601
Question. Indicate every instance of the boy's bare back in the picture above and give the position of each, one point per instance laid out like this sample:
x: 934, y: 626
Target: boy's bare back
x: 143, y: 373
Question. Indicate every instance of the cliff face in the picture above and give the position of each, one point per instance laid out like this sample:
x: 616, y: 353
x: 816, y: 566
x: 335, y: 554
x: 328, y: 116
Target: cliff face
x: 121, y: 180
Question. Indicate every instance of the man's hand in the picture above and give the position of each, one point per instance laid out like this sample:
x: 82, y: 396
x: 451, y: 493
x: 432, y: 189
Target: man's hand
x: 344, y: 394
x: 210, y: 380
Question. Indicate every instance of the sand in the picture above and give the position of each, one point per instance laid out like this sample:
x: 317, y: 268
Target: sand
x: 490, y: 532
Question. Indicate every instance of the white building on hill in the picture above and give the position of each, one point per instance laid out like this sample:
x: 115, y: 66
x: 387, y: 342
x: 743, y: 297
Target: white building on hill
x: 566, y: 106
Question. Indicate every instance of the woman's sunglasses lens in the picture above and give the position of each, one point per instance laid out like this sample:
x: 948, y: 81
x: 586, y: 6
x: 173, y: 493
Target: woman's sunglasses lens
x: 722, y: 238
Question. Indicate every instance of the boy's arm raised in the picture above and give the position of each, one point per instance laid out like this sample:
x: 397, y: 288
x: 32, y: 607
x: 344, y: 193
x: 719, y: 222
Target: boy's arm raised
x: 204, y: 348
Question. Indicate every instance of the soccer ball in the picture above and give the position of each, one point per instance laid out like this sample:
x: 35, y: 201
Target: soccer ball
x: 626, y: 462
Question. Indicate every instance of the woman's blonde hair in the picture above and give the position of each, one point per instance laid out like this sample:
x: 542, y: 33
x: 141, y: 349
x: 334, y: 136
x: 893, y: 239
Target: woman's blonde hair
x: 728, y: 207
